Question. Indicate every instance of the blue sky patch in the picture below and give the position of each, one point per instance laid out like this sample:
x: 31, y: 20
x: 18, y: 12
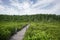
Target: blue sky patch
x: 34, y: 1
x: 6, y: 2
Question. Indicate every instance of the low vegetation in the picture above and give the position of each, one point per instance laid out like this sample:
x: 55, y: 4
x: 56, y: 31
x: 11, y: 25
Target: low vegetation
x: 43, y: 31
x: 43, y: 26
x: 7, y: 29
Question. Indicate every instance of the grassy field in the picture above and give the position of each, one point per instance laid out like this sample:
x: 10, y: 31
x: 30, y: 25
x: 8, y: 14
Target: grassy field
x: 43, y: 31
x: 7, y: 29
x: 42, y: 26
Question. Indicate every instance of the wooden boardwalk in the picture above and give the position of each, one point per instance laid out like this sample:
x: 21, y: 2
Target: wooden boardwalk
x: 20, y: 35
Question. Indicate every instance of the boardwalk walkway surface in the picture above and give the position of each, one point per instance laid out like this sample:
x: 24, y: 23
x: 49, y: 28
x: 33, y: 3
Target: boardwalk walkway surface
x: 20, y: 34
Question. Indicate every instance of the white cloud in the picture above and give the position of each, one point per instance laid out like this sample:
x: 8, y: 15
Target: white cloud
x: 27, y: 7
x: 7, y: 10
x: 2, y: 8
x: 42, y: 2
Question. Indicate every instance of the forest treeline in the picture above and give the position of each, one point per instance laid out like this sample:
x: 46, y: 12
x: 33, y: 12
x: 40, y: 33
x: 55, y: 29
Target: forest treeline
x: 29, y: 18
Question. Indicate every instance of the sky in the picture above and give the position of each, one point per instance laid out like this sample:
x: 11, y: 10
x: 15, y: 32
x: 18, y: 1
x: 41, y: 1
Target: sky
x: 29, y: 7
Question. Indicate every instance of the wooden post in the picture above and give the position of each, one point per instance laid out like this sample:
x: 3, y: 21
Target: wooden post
x: 15, y: 30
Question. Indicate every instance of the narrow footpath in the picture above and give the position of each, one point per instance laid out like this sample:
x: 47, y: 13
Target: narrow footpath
x: 20, y: 35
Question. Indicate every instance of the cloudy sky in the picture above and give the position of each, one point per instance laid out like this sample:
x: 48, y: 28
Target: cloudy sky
x: 28, y: 7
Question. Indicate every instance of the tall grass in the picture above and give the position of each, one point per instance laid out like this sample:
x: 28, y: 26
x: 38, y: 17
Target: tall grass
x: 7, y: 29
x: 43, y: 31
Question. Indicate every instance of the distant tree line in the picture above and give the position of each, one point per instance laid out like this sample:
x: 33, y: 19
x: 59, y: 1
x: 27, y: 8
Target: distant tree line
x: 29, y: 18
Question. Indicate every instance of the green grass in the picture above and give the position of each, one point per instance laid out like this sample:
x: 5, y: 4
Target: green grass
x: 43, y: 26
x: 7, y: 29
x: 43, y: 31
